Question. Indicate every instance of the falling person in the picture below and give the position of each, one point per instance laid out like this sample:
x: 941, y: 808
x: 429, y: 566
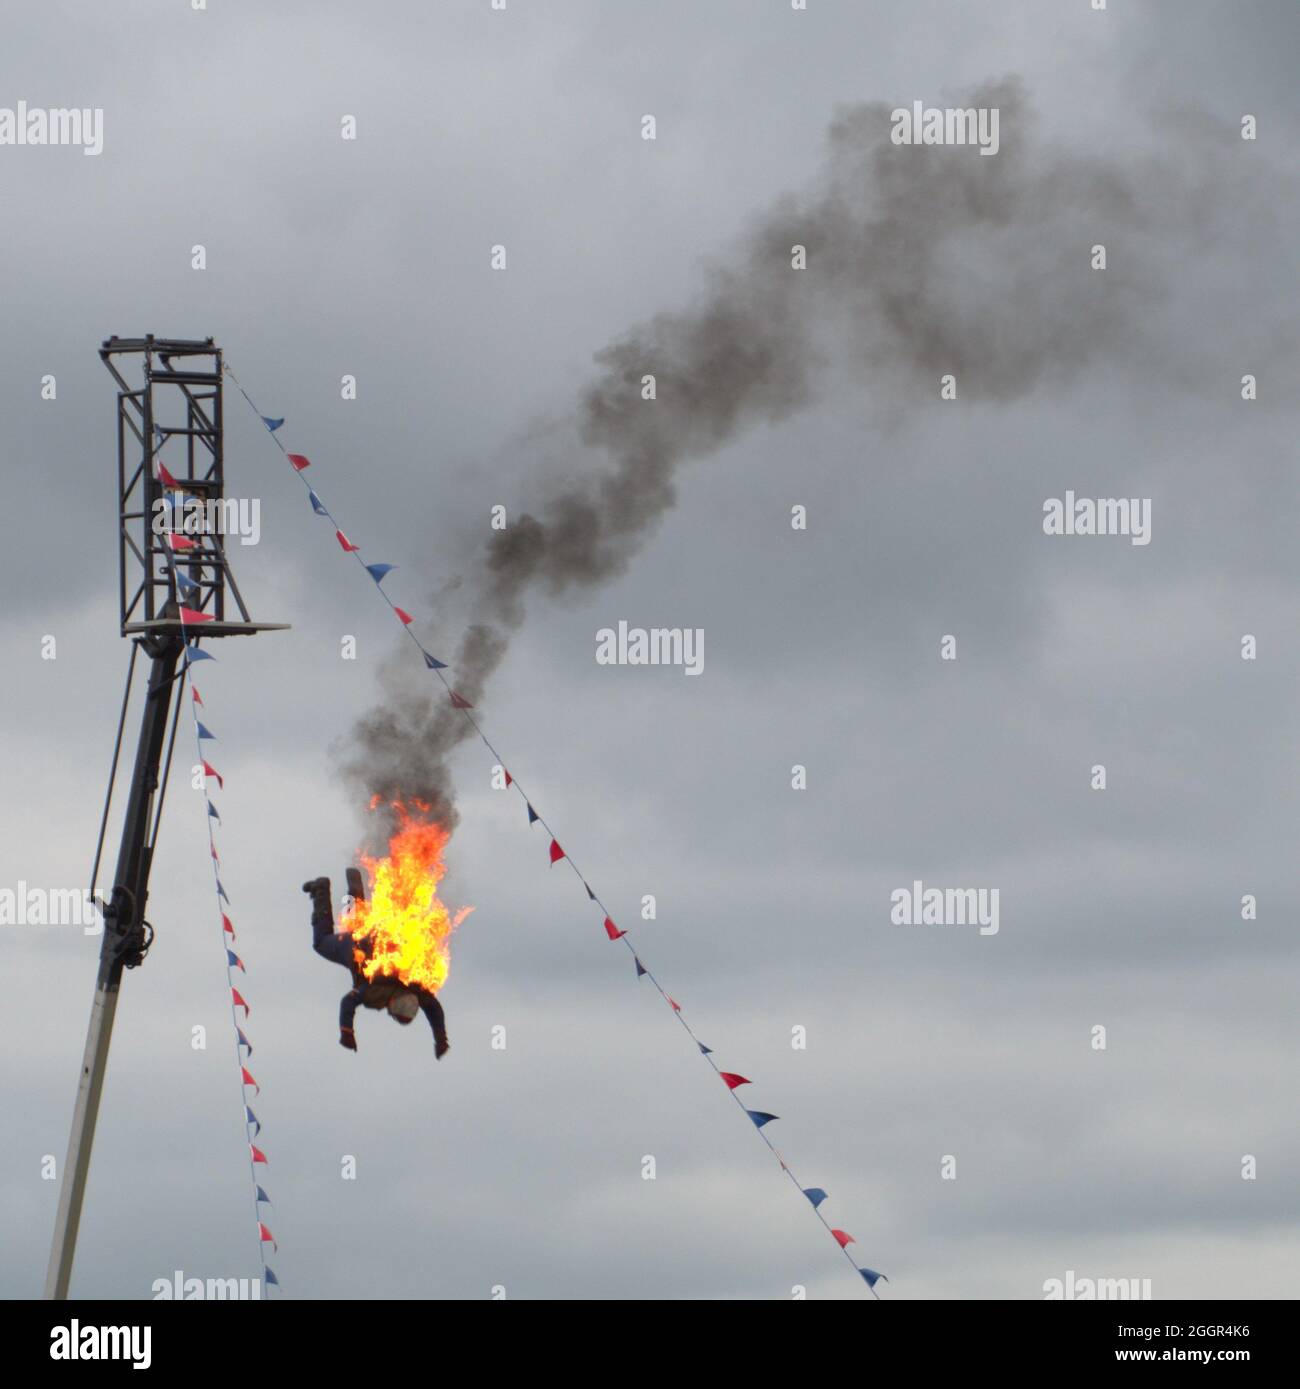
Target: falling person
x: 401, y: 1000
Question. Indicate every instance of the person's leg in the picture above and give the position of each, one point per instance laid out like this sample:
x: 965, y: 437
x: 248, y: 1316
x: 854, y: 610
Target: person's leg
x: 322, y: 913
x: 347, y: 1015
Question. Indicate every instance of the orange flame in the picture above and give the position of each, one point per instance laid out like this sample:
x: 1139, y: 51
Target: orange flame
x: 407, y: 925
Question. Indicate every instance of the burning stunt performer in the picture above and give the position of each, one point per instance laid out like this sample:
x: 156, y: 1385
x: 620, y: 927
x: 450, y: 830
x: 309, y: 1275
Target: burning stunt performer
x: 402, y: 1000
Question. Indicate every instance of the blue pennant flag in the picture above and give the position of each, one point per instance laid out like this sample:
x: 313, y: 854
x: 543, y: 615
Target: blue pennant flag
x: 377, y: 571
x: 317, y: 505
x: 271, y: 424
x: 221, y: 892
x: 532, y: 814
x: 590, y: 893
x: 197, y: 653
x: 158, y: 434
x: 233, y: 961
x: 815, y: 1194
x: 270, y: 1277
x: 760, y: 1118
x: 243, y: 1041
x: 708, y: 1051
x: 640, y: 968
x: 184, y: 580
x: 432, y: 661
x: 263, y: 1198
x: 251, y: 1118
x: 872, y: 1276
x: 203, y: 732
x: 212, y: 813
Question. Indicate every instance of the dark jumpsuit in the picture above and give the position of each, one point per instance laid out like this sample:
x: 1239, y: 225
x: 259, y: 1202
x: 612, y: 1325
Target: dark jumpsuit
x: 340, y: 949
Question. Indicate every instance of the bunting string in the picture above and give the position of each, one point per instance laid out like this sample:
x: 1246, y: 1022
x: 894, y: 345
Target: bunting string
x: 192, y: 621
x: 377, y: 573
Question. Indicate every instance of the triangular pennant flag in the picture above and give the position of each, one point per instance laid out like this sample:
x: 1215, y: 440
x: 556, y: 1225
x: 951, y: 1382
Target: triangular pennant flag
x: 317, y: 505
x: 195, y: 695
x: 187, y: 584
x: 708, y: 1051
x: 221, y: 892
x: 180, y: 542
x: 165, y: 477
x: 377, y: 571
x: 346, y: 543
x: 266, y: 1236
x: 243, y: 1041
x: 238, y: 1002
x: 210, y: 770
x: 459, y: 701
x: 509, y: 783
x: 271, y: 1279
x: 262, y: 1197
x: 556, y: 852
x: 760, y: 1118
x: 234, y: 962
x: 872, y: 1276
x: 677, y: 1007
x: 612, y: 931
x: 258, y: 1155
x: 533, y: 816
x: 815, y: 1194
x: 212, y: 813
x: 731, y: 1080
x: 196, y: 653
x: 406, y: 618
x: 590, y: 894
x: 251, y: 1118
x: 842, y: 1237
x: 158, y: 433
x: 226, y: 926
x: 640, y: 968
x: 432, y: 661
x: 272, y: 424
x: 248, y: 1079
x: 298, y: 461
x: 204, y: 733
x: 193, y: 615
x: 212, y: 849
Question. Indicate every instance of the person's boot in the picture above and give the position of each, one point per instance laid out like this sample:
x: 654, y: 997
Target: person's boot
x: 441, y: 1046
x: 347, y: 1038
x: 322, y: 912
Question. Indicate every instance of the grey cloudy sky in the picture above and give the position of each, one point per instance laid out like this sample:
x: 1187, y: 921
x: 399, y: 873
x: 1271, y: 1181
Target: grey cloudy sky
x: 523, y: 1168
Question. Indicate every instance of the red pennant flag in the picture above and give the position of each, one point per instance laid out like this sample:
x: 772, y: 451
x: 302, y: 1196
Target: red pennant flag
x: 165, y: 477
x: 298, y: 461
x: 239, y: 1003
x: 226, y: 926
x: 198, y: 699
x: 459, y: 701
x: 612, y: 931
x: 210, y: 770
x: 248, y: 1079
x: 677, y: 1007
x: 843, y: 1238
x: 346, y: 543
x: 215, y: 856
x: 258, y: 1154
x: 403, y: 614
x: 193, y: 615
x: 509, y: 779
x: 266, y: 1236
x: 556, y: 852
x: 732, y: 1079
x: 181, y: 542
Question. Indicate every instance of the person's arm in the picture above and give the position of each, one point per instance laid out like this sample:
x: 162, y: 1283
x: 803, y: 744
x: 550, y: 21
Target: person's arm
x: 432, y: 1010
x: 347, y: 1016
